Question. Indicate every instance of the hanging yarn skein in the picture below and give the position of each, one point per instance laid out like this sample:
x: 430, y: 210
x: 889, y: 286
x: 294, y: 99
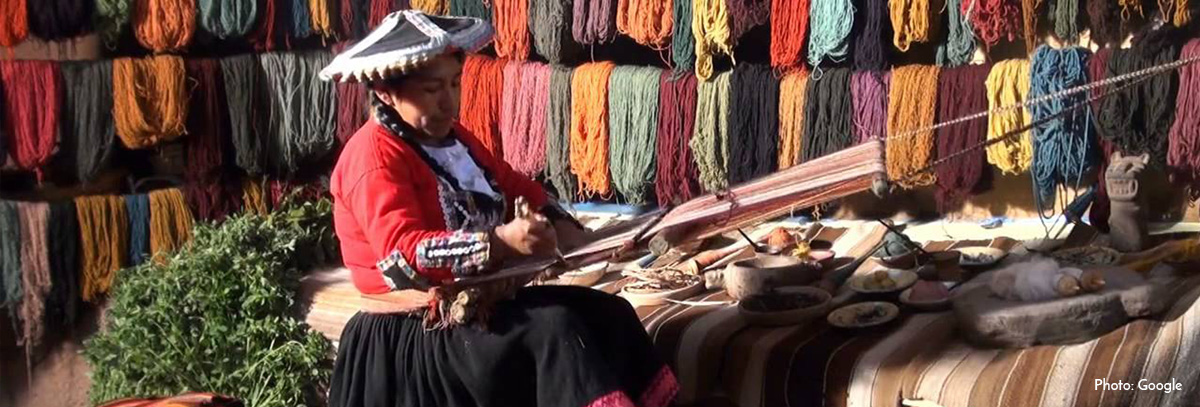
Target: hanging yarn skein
x: 710, y: 142
x: 164, y: 25
x: 828, y: 114
x: 32, y: 103
x: 481, y: 9
x: 227, y: 18
x: 676, y: 172
x: 11, y: 287
x: 683, y: 42
x: 1137, y: 119
x: 1183, y: 153
x: 913, y: 21
x: 170, y: 223
x: 62, y: 304
x: 753, y: 122
x: 648, y: 22
x: 994, y: 20
x: 434, y: 7
x: 303, y: 117
x: 831, y: 21
x: 352, y: 18
x: 138, y: 208
x: 111, y: 18
x: 267, y: 32
x: 1008, y: 85
x: 482, y: 90
x: 321, y: 18
x: 523, y: 115
x: 595, y: 21
x: 206, y: 122
x: 103, y: 238
x: 869, y: 97
x: 713, y: 34
x: 253, y: 199
x: 789, y: 31
x: 633, y: 130
x: 745, y: 15
x: 558, y: 133
x: 870, y: 52
x: 1029, y: 20
x: 16, y: 23
x: 245, y: 99
x: 550, y: 24
x: 35, y: 271
x: 589, y: 128
x: 912, y: 105
x: 1104, y: 21
x: 512, y: 28
x: 89, y: 135
x: 1097, y: 68
x: 296, y: 11
x: 149, y: 100
x: 959, y: 47
x: 1063, y: 146
x: 57, y: 20
x: 1178, y: 12
x: 793, y: 95
x: 960, y: 93
x: 1066, y: 19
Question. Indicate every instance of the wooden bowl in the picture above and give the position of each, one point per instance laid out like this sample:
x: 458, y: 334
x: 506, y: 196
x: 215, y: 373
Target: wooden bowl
x: 864, y: 315
x: 822, y: 256
x: 927, y: 306
x: 981, y: 256
x: 750, y: 308
x: 585, y: 276
x: 760, y: 274
x: 902, y: 278
x: 639, y: 299
x: 908, y: 260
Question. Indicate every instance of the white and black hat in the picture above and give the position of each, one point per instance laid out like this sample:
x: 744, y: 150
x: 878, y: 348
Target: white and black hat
x: 403, y: 41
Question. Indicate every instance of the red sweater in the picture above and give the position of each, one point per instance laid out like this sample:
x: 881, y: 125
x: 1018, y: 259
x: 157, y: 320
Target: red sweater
x: 387, y: 213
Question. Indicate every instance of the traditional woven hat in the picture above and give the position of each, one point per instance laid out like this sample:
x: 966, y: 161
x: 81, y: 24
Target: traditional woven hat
x: 403, y: 41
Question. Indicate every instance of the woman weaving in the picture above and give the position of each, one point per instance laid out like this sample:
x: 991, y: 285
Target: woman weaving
x: 419, y: 202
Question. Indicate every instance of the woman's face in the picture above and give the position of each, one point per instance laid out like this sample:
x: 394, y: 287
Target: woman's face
x: 428, y: 99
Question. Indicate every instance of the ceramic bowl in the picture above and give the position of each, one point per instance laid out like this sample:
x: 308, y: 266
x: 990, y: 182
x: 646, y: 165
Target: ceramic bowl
x: 752, y: 310
x: 902, y: 279
x: 645, y: 299
x: 864, y: 315
x: 760, y: 274
x: 928, y: 306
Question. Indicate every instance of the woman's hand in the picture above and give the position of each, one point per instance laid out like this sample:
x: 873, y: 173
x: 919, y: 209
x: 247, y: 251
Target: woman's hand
x: 526, y: 236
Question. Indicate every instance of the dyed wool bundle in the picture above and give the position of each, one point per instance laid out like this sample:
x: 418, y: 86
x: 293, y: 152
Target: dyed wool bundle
x: 960, y: 93
x: 352, y: 18
x: 297, y: 13
x: 683, y: 42
x: 633, y: 129
x: 482, y: 89
x: 170, y: 223
x: 242, y: 75
x: 710, y: 140
x: 252, y: 196
x: 111, y: 18
x: 912, y: 105
x: 959, y: 47
x: 1066, y: 19
x: 1104, y: 19
x: 1063, y: 146
x: 745, y: 15
x: 512, y: 28
x: 213, y: 200
x: 103, y: 239
x: 646, y: 21
x: 712, y: 31
x: 267, y: 33
x: 435, y: 7
x: 10, y: 255
x: 227, y: 18
x: 793, y: 95
x: 35, y: 271
x: 164, y: 25
x: 206, y: 123
x: 292, y: 191
x: 149, y: 100
x: 589, y: 127
x: 1178, y: 12
x: 89, y: 134
x: 352, y: 109
x: 16, y: 23
x: 789, y: 29
x: 303, y: 117
x: 469, y: 8
x: 1029, y: 20
x: 1097, y: 67
x: 558, y: 133
x: 1138, y: 119
x: 869, y: 97
x: 1008, y: 85
x: 138, y: 208
x: 869, y: 49
x: 913, y: 21
x: 321, y: 18
x: 831, y: 22
x: 62, y: 304
x: 676, y: 172
x: 594, y: 21
x: 994, y: 20
x: 550, y: 24
x: 1128, y: 7
x: 1184, y: 151
x: 754, y: 122
x: 523, y: 115
x: 828, y: 113
x: 32, y: 98
x: 57, y: 20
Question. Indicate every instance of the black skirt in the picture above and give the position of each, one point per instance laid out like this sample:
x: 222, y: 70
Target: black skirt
x: 551, y: 346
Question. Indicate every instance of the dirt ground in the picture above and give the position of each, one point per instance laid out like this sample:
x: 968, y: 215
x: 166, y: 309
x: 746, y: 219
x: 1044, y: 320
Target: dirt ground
x: 60, y: 374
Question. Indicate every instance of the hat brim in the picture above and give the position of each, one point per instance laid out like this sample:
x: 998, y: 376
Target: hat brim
x: 404, y: 41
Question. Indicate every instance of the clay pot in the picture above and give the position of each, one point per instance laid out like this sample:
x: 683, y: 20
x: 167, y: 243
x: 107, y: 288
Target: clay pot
x: 762, y: 273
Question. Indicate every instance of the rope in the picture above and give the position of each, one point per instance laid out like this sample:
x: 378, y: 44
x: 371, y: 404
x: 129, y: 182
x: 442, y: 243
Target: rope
x: 62, y: 304
x: 243, y: 83
x: 912, y: 21
x: 676, y: 172
x: 550, y: 24
x: 712, y: 31
x: 32, y: 100
x: 303, y: 120
x: 789, y: 28
x: 138, y: 208
x: 227, y: 19
x: 994, y: 20
x: 512, y: 28
x: 89, y: 134
x: 164, y: 25
x: 170, y: 222
x: 831, y: 22
x: 149, y: 100
x: 754, y: 122
x: 111, y: 18
x: 35, y: 272
x: 10, y: 255
x: 16, y: 24
x: 471, y: 8
x: 828, y: 113
x: 1029, y: 20
x: 912, y: 104
x: 793, y: 92
x: 1066, y: 19
x: 57, y: 20
x: 959, y: 48
x: 322, y: 19
x: 648, y: 22
x: 1008, y: 84
x: 1104, y: 21
x: 435, y: 7
x: 960, y: 91
x: 558, y: 133
x: 745, y: 15
x: 1138, y: 119
x: 869, y: 97
x: 589, y: 127
x: 482, y: 89
x: 633, y: 120
x: 103, y: 239
x: 869, y: 51
x: 1063, y: 147
x: 710, y: 142
x: 529, y: 124
x: 683, y: 41
x: 252, y: 196
x: 594, y: 21
x: 1184, y: 141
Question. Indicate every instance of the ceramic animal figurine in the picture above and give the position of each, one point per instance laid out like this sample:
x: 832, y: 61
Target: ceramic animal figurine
x: 1125, y: 220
